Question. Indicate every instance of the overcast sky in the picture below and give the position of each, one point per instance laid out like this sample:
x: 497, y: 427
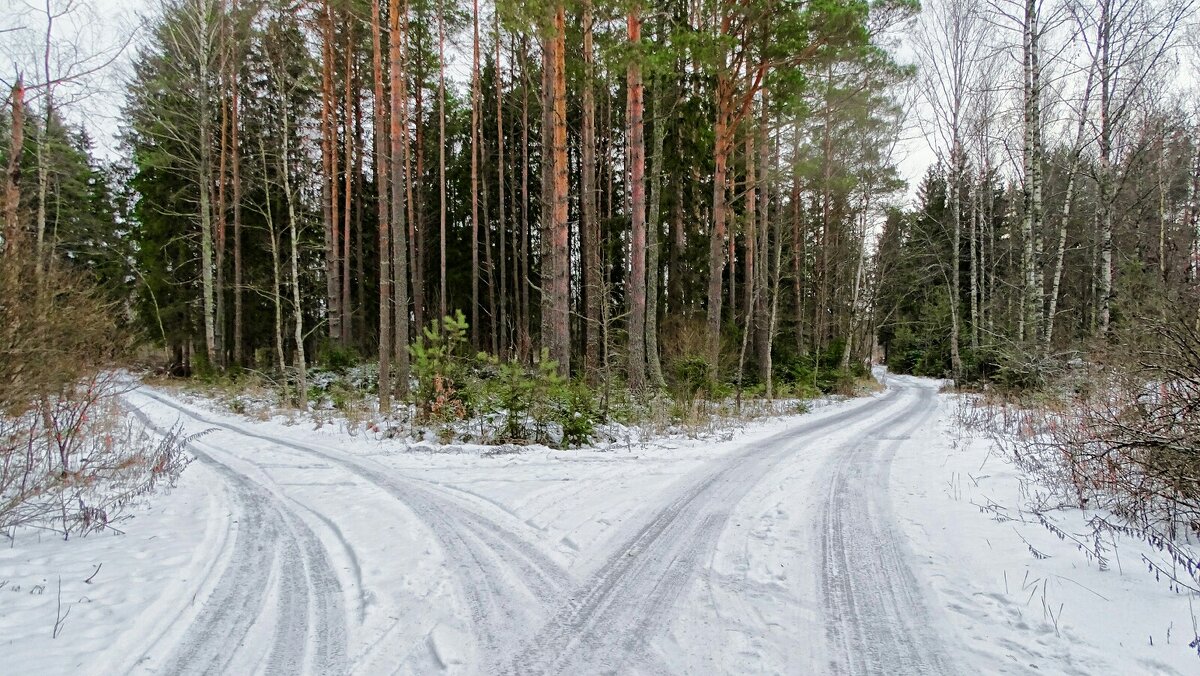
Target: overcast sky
x: 89, y: 37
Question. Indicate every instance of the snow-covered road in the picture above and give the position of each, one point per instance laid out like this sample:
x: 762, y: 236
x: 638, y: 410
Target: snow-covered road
x: 604, y: 618
x: 503, y: 579
x: 798, y: 548
x: 618, y: 610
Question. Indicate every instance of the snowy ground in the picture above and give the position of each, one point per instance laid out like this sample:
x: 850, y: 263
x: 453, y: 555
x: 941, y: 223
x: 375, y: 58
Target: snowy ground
x: 847, y: 540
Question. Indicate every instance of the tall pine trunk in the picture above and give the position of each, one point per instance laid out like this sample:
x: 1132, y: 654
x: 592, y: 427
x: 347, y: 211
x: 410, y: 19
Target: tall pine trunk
x: 556, y: 298
x: 654, y: 230
x: 399, y: 138
x: 798, y: 244
x: 348, y: 147
x: 236, y: 166
x: 593, y: 283
x: 750, y: 246
x: 524, y: 340
x: 502, y: 320
x: 416, y: 221
x: 443, y: 290
x: 329, y: 175
x: 294, y: 233
x: 637, y: 188
x: 384, y: 209
x: 764, y: 315
x: 489, y: 264
x: 475, y: 150
x: 360, y: 149
x: 716, y: 249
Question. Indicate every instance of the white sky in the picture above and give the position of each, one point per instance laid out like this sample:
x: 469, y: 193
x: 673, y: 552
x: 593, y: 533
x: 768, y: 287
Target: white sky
x: 90, y: 35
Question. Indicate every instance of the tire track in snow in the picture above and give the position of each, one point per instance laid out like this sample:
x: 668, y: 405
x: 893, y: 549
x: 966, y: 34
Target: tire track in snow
x: 507, y: 583
x: 609, y: 621
x: 875, y: 616
x: 355, y: 565
x: 270, y: 544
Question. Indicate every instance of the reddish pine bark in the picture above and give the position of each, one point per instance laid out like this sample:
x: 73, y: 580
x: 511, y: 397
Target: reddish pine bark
x: 475, y: 179
x: 381, y: 185
x: 236, y: 162
x: 590, y: 224
x: 399, y: 246
x: 637, y: 189
x: 329, y: 179
x: 560, y: 288
x: 348, y: 144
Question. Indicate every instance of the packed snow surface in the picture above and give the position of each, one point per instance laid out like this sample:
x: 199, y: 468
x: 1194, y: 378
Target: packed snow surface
x: 867, y: 537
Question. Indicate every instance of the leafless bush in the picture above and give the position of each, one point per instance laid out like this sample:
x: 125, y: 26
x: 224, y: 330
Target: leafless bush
x: 56, y: 328
x: 1122, y: 441
x: 69, y: 460
x: 72, y: 462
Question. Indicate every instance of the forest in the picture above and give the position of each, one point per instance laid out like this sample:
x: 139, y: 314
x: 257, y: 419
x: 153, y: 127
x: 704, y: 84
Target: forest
x: 703, y: 193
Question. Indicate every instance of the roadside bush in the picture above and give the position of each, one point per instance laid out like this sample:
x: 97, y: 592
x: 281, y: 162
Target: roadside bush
x: 797, y: 390
x: 69, y: 458
x: 1126, y: 446
x: 441, y: 370
x: 52, y: 334
x: 337, y: 358
x: 811, y: 374
x: 1019, y: 368
x: 982, y: 364
x: 537, y: 404
x: 690, y: 377
x: 510, y: 394
x: 577, y: 415
x: 74, y: 461
x: 927, y: 354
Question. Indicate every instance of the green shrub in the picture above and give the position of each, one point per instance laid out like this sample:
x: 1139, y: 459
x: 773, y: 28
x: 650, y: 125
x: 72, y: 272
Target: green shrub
x: 691, y: 377
x: 337, y: 358
x: 342, y: 396
x: 1021, y: 370
x: 546, y: 392
x: 577, y: 415
x: 981, y: 364
x: 511, y: 392
x: 315, y: 394
x: 204, y: 371
x: 811, y: 374
x: 803, y: 390
x: 529, y: 399
x: 442, y: 370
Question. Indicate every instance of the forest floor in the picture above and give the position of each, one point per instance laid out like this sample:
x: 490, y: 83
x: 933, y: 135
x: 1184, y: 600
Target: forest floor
x: 870, y: 535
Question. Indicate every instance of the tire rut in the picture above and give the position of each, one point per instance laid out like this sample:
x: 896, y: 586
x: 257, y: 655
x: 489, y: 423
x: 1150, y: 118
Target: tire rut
x: 606, y: 623
x: 501, y: 606
x: 609, y: 621
x: 875, y: 617
x: 269, y: 539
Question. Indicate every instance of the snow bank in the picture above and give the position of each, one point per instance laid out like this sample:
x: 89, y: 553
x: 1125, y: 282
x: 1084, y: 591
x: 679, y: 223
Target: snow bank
x: 1022, y: 599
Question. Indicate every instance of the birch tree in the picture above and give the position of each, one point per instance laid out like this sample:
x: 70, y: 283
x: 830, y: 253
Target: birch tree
x: 951, y: 45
